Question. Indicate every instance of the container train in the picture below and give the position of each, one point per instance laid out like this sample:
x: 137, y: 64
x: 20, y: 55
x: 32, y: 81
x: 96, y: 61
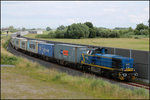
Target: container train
x: 81, y: 57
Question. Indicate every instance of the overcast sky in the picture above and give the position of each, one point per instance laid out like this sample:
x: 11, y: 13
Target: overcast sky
x: 40, y: 14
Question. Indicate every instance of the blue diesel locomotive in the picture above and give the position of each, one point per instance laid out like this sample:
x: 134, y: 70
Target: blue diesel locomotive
x: 112, y: 65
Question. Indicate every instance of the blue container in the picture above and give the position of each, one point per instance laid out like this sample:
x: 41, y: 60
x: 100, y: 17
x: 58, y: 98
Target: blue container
x: 46, y: 49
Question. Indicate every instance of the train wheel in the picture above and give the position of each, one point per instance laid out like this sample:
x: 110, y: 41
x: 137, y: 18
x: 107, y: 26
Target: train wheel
x: 121, y: 77
x: 133, y: 77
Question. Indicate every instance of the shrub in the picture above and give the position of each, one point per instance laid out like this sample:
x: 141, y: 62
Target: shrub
x: 5, y: 59
x: 92, y: 33
x: 77, y: 31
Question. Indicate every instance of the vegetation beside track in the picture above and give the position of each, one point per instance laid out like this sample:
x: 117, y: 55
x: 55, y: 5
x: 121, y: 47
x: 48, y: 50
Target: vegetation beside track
x: 128, y: 43
x: 29, y: 80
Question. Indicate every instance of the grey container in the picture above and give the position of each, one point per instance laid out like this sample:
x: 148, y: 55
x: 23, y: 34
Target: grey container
x: 13, y: 40
x: 23, y: 44
x: 70, y: 53
x: 32, y: 45
x: 17, y: 42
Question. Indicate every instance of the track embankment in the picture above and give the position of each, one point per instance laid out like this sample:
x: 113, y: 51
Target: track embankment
x: 70, y: 71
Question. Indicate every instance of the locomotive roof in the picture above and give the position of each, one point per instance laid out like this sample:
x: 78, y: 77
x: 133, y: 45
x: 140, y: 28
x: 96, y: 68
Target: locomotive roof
x: 107, y: 55
x: 112, y: 56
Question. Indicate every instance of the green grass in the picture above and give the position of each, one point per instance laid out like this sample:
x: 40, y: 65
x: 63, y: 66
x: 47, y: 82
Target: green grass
x: 6, y: 32
x: 29, y: 80
x: 128, y: 43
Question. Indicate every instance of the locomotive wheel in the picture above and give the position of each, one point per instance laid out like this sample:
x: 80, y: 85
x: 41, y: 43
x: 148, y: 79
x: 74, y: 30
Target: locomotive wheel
x: 133, y: 77
x: 121, y: 77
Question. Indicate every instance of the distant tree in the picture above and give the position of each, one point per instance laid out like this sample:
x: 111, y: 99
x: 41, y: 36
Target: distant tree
x: 92, y: 33
x: 130, y: 29
x: 60, y: 33
x: 11, y: 29
x: 48, y: 29
x: 23, y: 29
x: 62, y: 27
x: 141, y: 27
x: 77, y: 31
x: 144, y: 32
x: 33, y: 29
x: 120, y: 28
x: 114, y: 34
x: 89, y: 24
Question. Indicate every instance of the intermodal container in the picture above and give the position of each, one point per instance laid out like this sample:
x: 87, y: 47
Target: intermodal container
x: 46, y: 49
x: 70, y: 53
x: 32, y: 46
x: 13, y: 40
x: 17, y: 42
x: 23, y: 44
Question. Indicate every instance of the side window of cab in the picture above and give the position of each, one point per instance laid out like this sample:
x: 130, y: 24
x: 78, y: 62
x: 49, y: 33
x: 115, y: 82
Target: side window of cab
x: 89, y: 52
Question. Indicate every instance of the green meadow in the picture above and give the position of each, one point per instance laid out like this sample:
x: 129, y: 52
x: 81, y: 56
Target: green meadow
x: 128, y: 43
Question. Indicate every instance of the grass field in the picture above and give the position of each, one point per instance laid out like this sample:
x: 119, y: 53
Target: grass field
x: 6, y: 33
x: 128, y: 43
x: 29, y: 80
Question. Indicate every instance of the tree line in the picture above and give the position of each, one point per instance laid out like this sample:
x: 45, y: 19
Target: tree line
x: 87, y: 30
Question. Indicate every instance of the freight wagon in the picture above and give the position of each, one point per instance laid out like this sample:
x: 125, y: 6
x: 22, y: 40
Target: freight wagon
x: 17, y: 42
x: 13, y: 41
x: 46, y: 50
x: 32, y: 46
x: 23, y: 44
x: 68, y: 54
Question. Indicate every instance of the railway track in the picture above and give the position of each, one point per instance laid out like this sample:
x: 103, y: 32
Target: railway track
x: 132, y: 84
x: 138, y: 85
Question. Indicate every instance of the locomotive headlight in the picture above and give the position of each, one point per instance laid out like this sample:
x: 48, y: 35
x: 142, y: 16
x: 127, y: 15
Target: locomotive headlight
x: 135, y: 74
x: 124, y: 74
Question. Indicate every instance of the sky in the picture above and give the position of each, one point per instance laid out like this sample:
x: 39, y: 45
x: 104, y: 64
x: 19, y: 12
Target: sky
x: 40, y: 14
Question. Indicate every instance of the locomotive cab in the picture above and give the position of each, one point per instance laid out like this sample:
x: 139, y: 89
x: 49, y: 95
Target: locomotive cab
x: 94, y: 51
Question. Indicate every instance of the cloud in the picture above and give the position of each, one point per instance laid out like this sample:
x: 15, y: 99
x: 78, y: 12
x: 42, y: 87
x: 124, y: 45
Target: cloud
x: 110, y: 10
x: 76, y: 20
x: 146, y: 9
x: 56, y: 13
x: 137, y: 18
